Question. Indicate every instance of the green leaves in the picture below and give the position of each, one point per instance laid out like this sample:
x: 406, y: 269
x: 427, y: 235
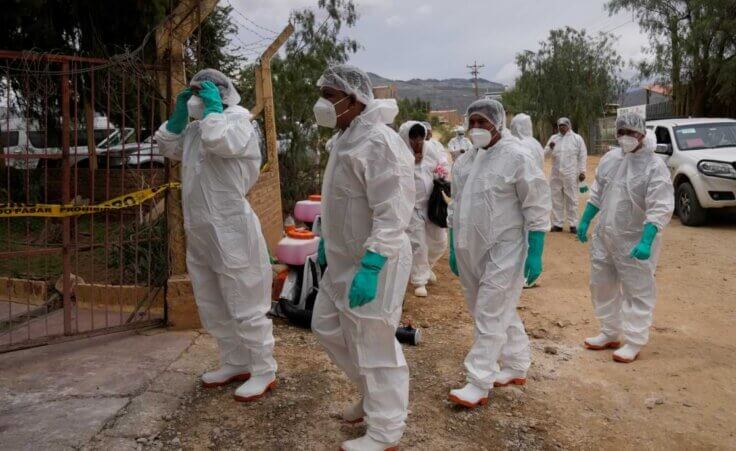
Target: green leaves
x: 572, y: 74
x: 319, y: 41
x: 692, y: 48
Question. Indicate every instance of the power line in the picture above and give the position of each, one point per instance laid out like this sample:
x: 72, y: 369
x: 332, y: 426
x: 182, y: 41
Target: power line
x: 241, y: 24
x: 618, y: 26
x: 474, y: 72
x: 250, y: 21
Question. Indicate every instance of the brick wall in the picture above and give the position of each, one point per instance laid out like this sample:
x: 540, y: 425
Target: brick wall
x: 265, y: 198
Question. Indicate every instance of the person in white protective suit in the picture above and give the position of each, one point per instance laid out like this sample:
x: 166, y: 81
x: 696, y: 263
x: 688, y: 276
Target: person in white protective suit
x: 227, y: 257
x: 521, y: 127
x: 367, y: 202
x: 436, y: 150
x: 633, y: 193
x: 428, y: 240
x: 498, y: 218
x: 459, y: 144
x: 569, y: 156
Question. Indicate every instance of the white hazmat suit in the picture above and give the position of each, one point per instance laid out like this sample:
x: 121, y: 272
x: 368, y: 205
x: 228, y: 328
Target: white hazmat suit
x: 630, y: 189
x: 521, y: 127
x: 227, y: 257
x: 569, y: 156
x: 428, y: 240
x: 367, y: 201
x: 459, y: 144
x: 498, y: 194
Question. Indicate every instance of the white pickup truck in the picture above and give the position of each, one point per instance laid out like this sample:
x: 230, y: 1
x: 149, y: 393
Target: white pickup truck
x: 701, y: 156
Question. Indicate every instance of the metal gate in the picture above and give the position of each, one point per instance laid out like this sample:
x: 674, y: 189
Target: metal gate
x: 76, y: 133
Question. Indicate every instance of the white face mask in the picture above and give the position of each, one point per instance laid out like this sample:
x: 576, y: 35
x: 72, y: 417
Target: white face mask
x: 628, y: 143
x: 480, y: 137
x: 195, y: 107
x: 325, y: 114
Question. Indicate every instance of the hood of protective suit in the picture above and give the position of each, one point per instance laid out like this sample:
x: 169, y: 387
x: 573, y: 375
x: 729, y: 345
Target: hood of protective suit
x: 406, y: 127
x: 521, y: 126
x: 379, y: 111
x: 648, y: 145
x: 227, y: 90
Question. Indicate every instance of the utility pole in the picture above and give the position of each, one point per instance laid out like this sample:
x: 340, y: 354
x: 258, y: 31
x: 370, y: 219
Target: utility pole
x: 474, y: 72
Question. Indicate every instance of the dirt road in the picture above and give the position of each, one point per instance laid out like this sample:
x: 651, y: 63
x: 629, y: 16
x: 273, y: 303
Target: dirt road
x: 679, y: 395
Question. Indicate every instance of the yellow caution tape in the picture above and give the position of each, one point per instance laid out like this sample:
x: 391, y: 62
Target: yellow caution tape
x: 61, y: 211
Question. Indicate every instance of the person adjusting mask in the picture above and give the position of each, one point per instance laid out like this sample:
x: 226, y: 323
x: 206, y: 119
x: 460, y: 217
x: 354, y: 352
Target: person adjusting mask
x: 634, y: 199
x: 227, y: 257
x: 498, y: 219
x: 569, y: 157
x: 367, y: 202
x: 459, y: 144
x: 428, y: 240
x: 521, y: 127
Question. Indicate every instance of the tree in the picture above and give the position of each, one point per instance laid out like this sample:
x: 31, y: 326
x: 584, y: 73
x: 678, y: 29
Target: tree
x: 573, y: 74
x: 413, y: 110
x: 210, y: 45
x: 693, y: 45
x: 309, y: 51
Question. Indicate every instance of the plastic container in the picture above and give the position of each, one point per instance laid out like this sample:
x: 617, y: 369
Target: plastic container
x: 308, y: 210
x: 296, y: 246
x: 408, y: 335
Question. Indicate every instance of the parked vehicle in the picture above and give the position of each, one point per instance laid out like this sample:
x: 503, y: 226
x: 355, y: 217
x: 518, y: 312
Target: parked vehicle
x: 27, y: 138
x: 701, y: 156
x: 141, y: 155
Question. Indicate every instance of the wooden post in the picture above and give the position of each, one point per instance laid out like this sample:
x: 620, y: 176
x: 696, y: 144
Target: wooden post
x: 265, y: 105
x: 170, y: 37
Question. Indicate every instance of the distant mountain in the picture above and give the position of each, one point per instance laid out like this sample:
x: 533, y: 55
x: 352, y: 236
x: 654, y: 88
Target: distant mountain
x: 448, y: 94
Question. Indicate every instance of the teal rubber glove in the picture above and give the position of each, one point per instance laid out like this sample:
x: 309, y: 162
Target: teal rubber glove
x: 365, y: 282
x: 453, y: 259
x: 533, y: 265
x: 178, y: 120
x: 210, y: 96
x: 588, y: 215
x: 643, y: 250
x: 321, y: 256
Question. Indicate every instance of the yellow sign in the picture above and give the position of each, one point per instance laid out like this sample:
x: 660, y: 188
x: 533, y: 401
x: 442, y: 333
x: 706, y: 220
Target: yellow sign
x: 61, y: 211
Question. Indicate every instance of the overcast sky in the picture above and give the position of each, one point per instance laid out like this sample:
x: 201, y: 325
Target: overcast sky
x: 404, y: 39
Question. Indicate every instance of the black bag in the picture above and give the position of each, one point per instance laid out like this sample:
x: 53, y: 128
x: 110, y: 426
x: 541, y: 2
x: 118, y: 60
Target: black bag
x: 437, y: 209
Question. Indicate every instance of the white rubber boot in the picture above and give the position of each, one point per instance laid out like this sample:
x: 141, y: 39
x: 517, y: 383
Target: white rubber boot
x: 432, y: 277
x: 602, y: 341
x: 256, y: 387
x: 353, y: 413
x: 508, y: 376
x: 469, y: 396
x: 224, y: 375
x: 420, y: 291
x: 367, y: 443
x: 626, y: 354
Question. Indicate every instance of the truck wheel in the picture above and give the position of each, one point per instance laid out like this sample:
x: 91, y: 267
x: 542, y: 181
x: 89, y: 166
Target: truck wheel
x: 688, y: 207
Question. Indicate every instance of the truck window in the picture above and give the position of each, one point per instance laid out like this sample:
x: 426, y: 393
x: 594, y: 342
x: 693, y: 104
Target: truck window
x: 9, y: 139
x: 663, y: 135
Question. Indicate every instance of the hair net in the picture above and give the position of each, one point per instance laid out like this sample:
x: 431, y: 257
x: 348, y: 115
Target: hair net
x: 348, y: 79
x: 631, y: 121
x: 460, y: 130
x: 227, y: 91
x: 521, y: 126
x: 491, y: 110
x: 564, y: 121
